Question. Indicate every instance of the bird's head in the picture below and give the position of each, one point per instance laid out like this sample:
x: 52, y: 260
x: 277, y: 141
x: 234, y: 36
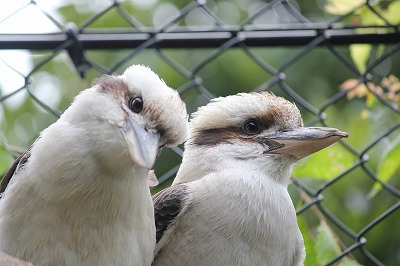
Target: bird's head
x: 132, y: 115
x: 256, y: 127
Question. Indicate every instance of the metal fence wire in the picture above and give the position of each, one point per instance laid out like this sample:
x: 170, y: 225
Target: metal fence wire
x: 300, y: 50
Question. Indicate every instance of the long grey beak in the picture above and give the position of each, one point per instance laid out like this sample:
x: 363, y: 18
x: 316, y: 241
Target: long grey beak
x: 142, y: 144
x: 303, y: 141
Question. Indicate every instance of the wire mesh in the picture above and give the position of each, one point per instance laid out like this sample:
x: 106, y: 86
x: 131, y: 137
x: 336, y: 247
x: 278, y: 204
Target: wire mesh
x: 190, y: 41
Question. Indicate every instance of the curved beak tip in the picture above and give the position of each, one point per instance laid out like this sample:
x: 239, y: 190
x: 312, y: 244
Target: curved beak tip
x: 344, y: 135
x: 330, y: 132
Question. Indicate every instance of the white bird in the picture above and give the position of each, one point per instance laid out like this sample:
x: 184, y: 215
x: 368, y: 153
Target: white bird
x: 79, y: 195
x: 229, y: 203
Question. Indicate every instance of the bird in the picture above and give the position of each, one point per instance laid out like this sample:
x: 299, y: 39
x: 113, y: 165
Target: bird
x: 79, y: 195
x: 229, y: 202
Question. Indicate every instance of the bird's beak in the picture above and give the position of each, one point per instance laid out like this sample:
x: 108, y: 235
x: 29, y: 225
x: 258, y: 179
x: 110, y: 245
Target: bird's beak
x: 142, y: 144
x: 303, y: 141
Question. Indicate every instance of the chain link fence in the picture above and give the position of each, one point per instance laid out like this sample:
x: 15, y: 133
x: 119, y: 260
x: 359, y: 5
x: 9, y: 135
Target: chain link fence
x: 337, y: 60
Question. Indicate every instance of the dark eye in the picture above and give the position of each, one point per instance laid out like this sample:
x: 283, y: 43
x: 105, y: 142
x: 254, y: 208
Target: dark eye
x: 136, y: 104
x: 251, y: 127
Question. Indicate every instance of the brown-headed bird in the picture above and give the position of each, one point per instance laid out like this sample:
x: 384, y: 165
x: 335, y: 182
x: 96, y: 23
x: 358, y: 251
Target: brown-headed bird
x: 229, y: 204
x: 79, y: 195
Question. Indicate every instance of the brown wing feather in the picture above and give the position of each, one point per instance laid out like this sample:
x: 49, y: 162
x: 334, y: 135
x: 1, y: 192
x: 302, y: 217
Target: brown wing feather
x: 17, y: 164
x: 168, y: 203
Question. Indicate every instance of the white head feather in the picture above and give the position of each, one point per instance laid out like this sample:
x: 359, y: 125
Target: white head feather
x: 171, y: 114
x: 232, y: 110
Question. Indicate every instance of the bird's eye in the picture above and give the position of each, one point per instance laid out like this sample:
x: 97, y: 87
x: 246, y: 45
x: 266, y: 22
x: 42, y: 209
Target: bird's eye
x: 251, y: 127
x: 136, y: 104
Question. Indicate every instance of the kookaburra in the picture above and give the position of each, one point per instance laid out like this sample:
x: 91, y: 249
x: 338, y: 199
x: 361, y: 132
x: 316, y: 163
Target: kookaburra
x: 229, y: 203
x: 79, y: 195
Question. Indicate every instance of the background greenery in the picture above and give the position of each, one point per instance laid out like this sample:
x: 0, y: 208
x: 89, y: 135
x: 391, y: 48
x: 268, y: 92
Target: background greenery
x: 318, y: 75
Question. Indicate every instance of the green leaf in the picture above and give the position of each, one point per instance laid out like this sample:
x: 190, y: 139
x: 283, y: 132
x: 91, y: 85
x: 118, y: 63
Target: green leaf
x: 380, y: 50
x: 309, y: 243
x: 346, y: 261
x: 372, y: 100
x: 6, y: 160
x: 343, y: 7
x: 327, y: 247
x: 360, y: 54
x: 392, y: 12
x: 368, y: 17
x: 324, y: 164
x: 388, y: 166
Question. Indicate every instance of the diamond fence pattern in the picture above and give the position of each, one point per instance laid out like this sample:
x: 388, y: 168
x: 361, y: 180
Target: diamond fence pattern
x: 203, y: 46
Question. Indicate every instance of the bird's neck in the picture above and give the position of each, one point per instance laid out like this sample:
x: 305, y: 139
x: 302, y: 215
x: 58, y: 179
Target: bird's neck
x: 75, y: 176
x: 199, y: 162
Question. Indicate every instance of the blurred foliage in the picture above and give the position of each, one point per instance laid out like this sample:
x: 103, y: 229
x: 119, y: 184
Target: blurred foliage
x: 389, y: 88
x: 328, y: 247
x: 315, y: 76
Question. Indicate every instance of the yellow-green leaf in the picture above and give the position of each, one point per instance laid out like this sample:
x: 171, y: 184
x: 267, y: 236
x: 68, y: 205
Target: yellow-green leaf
x: 392, y: 13
x: 6, y: 160
x: 372, y: 100
x: 324, y: 164
x: 380, y: 50
x: 388, y: 166
x: 368, y: 17
x: 309, y: 242
x: 343, y: 7
x: 327, y: 247
x: 360, y: 54
x: 346, y: 261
